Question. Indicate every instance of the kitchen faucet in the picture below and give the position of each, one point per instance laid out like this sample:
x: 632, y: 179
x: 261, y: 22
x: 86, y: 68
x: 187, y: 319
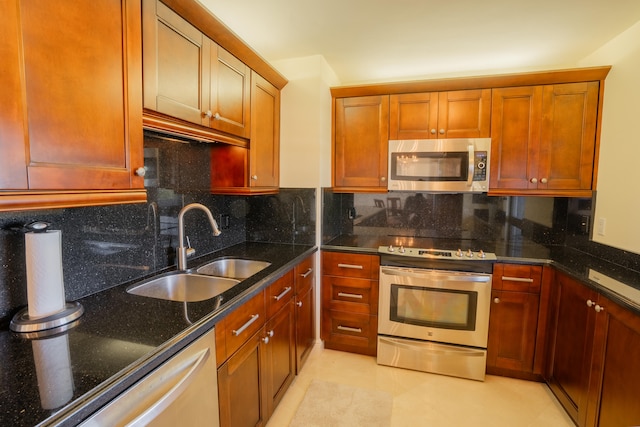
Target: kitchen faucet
x: 182, y: 250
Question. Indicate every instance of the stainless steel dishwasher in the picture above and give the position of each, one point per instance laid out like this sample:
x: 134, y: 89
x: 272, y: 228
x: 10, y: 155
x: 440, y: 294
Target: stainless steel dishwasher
x: 182, y: 391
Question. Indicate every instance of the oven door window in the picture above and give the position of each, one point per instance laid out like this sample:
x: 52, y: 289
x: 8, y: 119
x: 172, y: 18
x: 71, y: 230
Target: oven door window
x: 430, y: 166
x: 438, y: 308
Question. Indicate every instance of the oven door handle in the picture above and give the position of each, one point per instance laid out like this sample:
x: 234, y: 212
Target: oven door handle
x: 472, y: 165
x: 449, y: 277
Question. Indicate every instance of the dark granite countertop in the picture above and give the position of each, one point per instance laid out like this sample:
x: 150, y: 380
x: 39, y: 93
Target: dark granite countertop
x: 620, y: 284
x: 61, y: 379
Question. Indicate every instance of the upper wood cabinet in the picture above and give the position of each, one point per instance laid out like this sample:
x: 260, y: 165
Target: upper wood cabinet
x: 70, y: 105
x: 544, y: 128
x: 189, y: 77
x: 253, y: 170
x: 544, y: 139
x: 361, y: 141
x: 265, y: 134
x: 455, y: 114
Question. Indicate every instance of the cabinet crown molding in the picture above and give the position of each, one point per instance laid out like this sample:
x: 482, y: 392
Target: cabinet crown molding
x: 477, y: 82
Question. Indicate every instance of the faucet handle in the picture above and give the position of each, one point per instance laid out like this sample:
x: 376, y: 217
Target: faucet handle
x: 190, y: 251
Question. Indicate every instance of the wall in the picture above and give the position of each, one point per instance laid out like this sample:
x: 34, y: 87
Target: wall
x: 305, y: 137
x: 617, y: 202
x: 305, y: 133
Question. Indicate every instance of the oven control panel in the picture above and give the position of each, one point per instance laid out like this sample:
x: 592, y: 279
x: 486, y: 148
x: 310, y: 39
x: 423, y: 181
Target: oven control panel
x: 444, y: 254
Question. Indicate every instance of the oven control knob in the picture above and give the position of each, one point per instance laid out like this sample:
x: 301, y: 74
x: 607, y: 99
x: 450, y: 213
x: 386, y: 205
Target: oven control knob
x: 459, y: 253
x: 391, y: 248
x: 469, y: 254
x: 401, y: 250
x: 481, y: 254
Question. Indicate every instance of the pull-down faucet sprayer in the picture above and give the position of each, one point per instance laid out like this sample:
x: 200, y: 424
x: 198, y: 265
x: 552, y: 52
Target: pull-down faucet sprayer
x: 182, y: 249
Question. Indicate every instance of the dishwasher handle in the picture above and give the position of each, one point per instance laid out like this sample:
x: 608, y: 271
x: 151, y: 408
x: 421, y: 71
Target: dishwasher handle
x: 163, y: 402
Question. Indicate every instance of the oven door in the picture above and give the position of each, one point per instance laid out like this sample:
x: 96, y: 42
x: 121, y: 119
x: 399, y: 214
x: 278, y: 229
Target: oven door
x: 434, y: 305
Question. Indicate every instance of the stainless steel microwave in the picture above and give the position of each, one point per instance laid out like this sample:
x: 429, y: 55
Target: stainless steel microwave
x: 440, y: 165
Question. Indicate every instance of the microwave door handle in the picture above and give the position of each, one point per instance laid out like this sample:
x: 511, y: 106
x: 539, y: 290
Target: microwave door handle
x: 472, y: 161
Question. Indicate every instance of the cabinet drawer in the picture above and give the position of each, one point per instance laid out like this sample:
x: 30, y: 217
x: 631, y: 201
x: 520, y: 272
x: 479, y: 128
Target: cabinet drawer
x: 517, y: 277
x: 304, y: 274
x: 235, y: 329
x: 351, y: 295
x: 350, y: 265
x: 350, y: 331
x: 279, y: 293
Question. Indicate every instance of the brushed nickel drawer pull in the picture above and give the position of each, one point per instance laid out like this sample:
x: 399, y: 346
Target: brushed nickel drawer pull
x: 349, y: 329
x: 347, y: 295
x: 517, y: 279
x: 355, y: 267
x: 305, y: 275
x: 282, y: 294
x: 237, y: 332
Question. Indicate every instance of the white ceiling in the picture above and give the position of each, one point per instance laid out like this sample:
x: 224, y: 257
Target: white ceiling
x: 375, y: 40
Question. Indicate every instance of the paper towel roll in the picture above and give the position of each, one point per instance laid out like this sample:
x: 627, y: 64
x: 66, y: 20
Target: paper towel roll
x: 53, y: 370
x: 45, y: 284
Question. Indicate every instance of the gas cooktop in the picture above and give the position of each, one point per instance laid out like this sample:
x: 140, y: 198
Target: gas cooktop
x: 440, y: 254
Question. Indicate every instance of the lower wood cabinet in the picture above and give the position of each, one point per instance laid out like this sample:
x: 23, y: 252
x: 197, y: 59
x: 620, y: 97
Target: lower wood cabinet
x: 305, y: 331
x: 256, y: 354
x: 595, y: 348
x: 518, y: 319
x: 614, y: 384
x: 571, y: 345
x: 240, y: 395
x: 350, y: 302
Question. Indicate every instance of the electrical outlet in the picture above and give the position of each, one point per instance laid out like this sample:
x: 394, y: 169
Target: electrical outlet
x: 602, y: 226
x: 223, y: 221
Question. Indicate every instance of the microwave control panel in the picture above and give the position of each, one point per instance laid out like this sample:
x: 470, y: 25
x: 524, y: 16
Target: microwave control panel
x: 480, y: 166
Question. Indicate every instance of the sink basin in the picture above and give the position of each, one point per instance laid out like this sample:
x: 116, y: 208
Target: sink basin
x: 236, y: 268
x: 181, y: 286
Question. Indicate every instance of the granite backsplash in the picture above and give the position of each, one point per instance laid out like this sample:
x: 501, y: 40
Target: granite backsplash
x: 549, y: 221
x: 106, y: 246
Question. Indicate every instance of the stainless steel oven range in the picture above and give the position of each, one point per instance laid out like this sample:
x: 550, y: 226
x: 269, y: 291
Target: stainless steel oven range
x: 434, y: 310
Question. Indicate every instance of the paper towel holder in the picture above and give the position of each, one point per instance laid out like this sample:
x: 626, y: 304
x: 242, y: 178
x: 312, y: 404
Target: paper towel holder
x: 55, y: 323
x: 60, y: 321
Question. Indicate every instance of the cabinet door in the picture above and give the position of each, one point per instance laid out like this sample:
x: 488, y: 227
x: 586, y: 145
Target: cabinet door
x: 516, y: 114
x: 279, y: 351
x: 176, y: 67
x: 240, y: 397
x: 413, y: 115
x: 464, y: 114
x: 361, y: 143
x: 571, y: 345
x: 305, y: 329
x: 615, y: 377
x: 264, y: 147
x: 568, y: 136
x: 512, y: 330
x: 229, y: 93
x: 13, y: 135
x: 81, y: 118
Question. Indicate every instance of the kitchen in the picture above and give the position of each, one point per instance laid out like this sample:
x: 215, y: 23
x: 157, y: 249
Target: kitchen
x: 96, y: 239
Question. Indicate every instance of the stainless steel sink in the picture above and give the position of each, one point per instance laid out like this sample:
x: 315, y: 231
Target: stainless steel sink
x: 181, y: 286
x: 235, y: 268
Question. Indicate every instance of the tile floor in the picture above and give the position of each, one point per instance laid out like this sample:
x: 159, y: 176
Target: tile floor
x: 422, y: 399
